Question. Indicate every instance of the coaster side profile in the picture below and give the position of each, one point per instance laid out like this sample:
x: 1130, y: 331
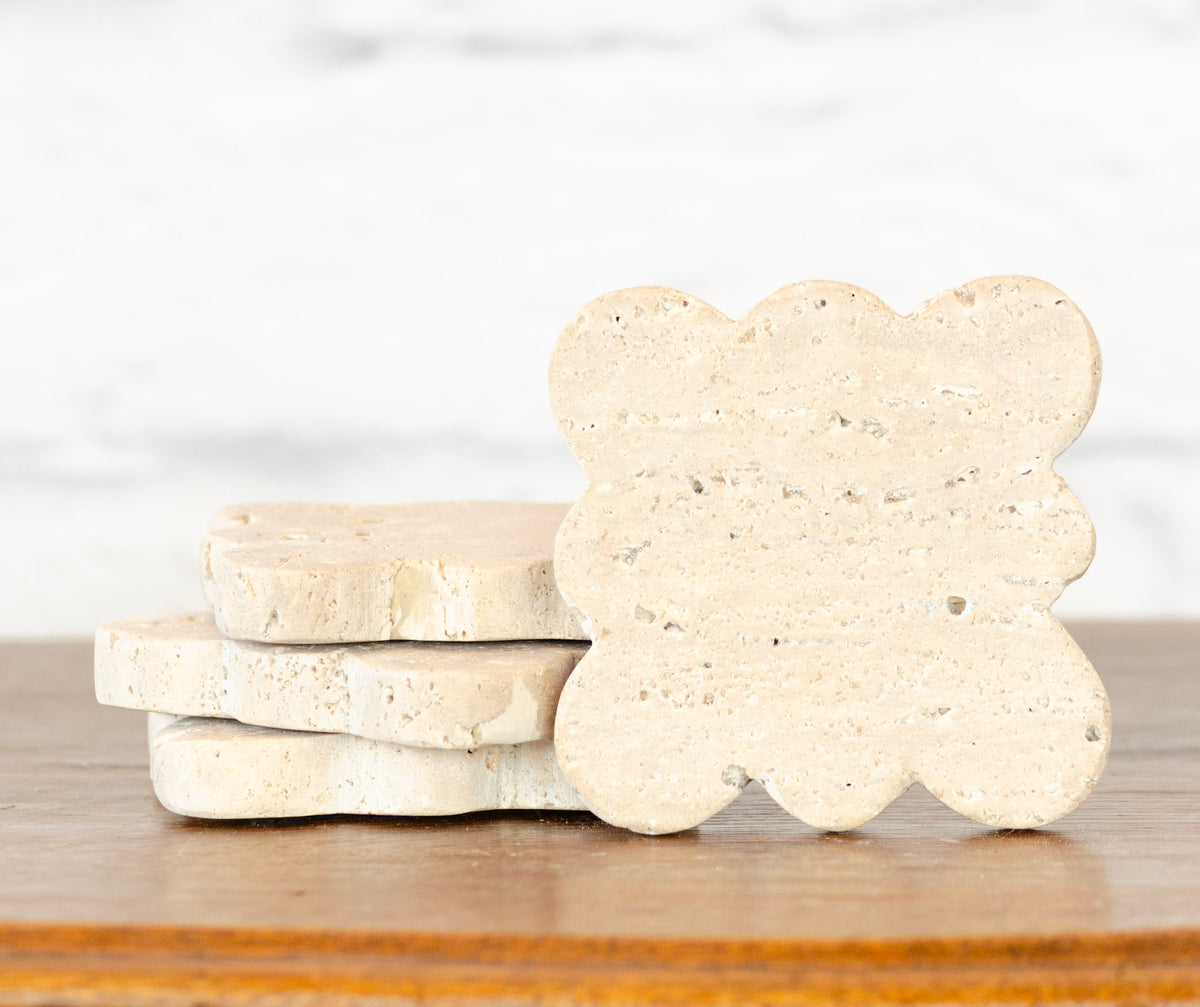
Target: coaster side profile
x: 462, y: 571
x: 425, y: 695
x: 205, y: 768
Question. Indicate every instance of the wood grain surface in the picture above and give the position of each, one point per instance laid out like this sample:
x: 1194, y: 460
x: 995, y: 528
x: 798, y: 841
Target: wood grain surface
x: 107, y: 898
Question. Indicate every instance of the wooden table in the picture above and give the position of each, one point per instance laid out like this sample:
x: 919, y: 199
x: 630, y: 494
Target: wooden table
x: 107, y: 898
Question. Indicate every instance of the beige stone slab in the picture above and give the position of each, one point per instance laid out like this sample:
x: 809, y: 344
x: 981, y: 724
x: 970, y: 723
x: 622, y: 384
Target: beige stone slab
x: 434, y: 695
x: 819, y: 548
x: 208, y: 768
x: 341, y: 573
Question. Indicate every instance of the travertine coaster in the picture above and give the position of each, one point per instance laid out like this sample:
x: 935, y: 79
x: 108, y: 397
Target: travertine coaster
x: 434, y: 695
x: 818, y: 549
x: 324, y: 573
x: 222, y: 769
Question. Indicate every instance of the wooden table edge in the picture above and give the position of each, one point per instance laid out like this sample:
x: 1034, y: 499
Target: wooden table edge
x: 74, y: 963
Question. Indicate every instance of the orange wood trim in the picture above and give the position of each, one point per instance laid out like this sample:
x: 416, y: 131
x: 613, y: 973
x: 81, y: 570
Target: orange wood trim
x: 49, y: 963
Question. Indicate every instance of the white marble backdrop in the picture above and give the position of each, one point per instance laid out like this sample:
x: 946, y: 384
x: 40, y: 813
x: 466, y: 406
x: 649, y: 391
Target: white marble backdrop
x: 321, y: 250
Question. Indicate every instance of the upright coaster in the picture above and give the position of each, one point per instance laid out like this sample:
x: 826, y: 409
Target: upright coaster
x: 819, y: 548
x: 325, y: 573
x: 223, y: 769
x: 431, y: 695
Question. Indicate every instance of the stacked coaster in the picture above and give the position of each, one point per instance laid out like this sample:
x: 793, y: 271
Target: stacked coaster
x: 392, y: 660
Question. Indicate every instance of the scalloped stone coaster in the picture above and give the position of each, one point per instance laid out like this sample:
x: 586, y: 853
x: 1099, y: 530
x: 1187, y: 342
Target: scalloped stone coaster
x: 819, y: 548
x: 431, y: 695
x: 207, y: 768
x: 342, y: 573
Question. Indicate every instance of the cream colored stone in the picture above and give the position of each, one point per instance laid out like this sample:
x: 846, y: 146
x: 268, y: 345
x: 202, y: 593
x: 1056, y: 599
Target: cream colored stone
x: 434, y: 695
x: 222, y: 769
x: 819, y: 549
x: 324, y: 573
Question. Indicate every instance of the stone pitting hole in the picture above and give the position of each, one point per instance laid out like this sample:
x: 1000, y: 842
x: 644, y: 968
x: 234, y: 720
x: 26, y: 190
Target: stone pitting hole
x: 629, y: 554
x: 735, y: 776
x: 956, y: 604
x: 970, y: 474
x: 1092, y: 733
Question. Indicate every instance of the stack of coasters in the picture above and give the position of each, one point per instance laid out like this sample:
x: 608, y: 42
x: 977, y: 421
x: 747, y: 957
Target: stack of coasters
x: 391, y: 660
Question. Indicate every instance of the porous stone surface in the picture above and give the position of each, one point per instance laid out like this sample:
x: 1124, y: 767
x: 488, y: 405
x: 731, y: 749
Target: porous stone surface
x: 819, y: 548
x: 208, y: 768
x: 340, y: 573
x: 435, y: 695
